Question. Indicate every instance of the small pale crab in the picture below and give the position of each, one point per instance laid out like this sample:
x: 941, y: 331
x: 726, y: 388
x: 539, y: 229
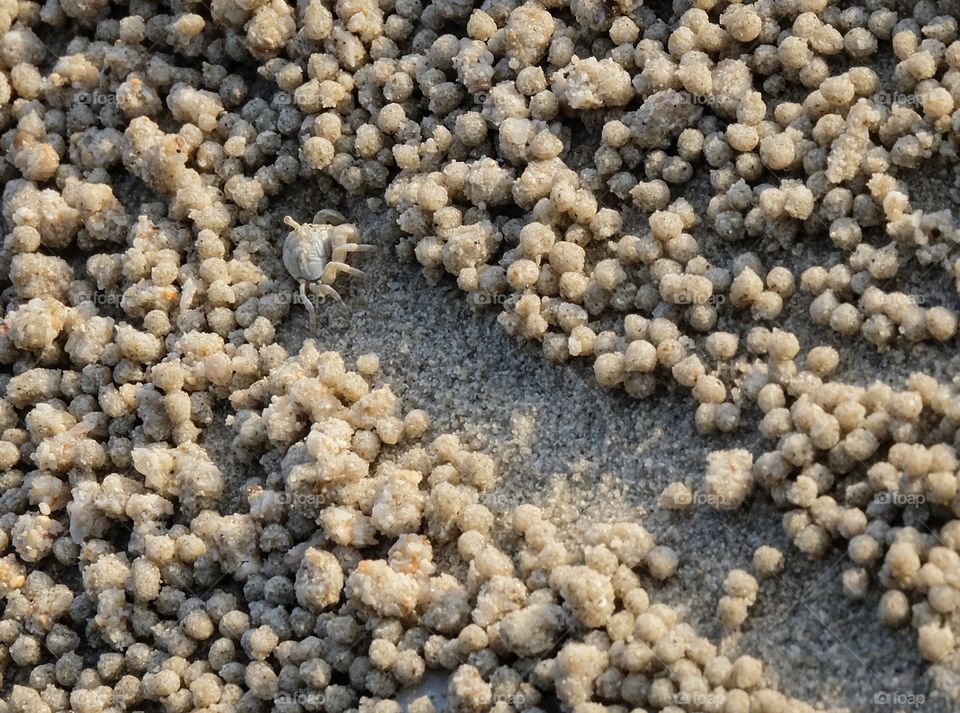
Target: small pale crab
x: 317, y: 253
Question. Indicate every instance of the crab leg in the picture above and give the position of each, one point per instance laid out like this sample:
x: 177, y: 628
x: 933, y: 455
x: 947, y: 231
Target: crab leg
x: 308, y: 304
x: 340, y: 252
x: 328, y: 291
x: 333, y: 269
x: 329, y: 216
x: 291, y: 222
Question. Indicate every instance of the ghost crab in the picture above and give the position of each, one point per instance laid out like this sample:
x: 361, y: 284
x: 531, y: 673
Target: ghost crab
x: 317, y: 253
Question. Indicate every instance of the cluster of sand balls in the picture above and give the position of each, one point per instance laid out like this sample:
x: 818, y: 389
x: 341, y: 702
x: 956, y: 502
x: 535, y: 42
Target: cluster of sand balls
x: 870, y: 468
x: 364, y: 559
x: 875, y: 469
x: 611, y: 261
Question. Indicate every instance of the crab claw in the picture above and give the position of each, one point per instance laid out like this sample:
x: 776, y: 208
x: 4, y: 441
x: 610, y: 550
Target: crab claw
x: 291, y: 222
